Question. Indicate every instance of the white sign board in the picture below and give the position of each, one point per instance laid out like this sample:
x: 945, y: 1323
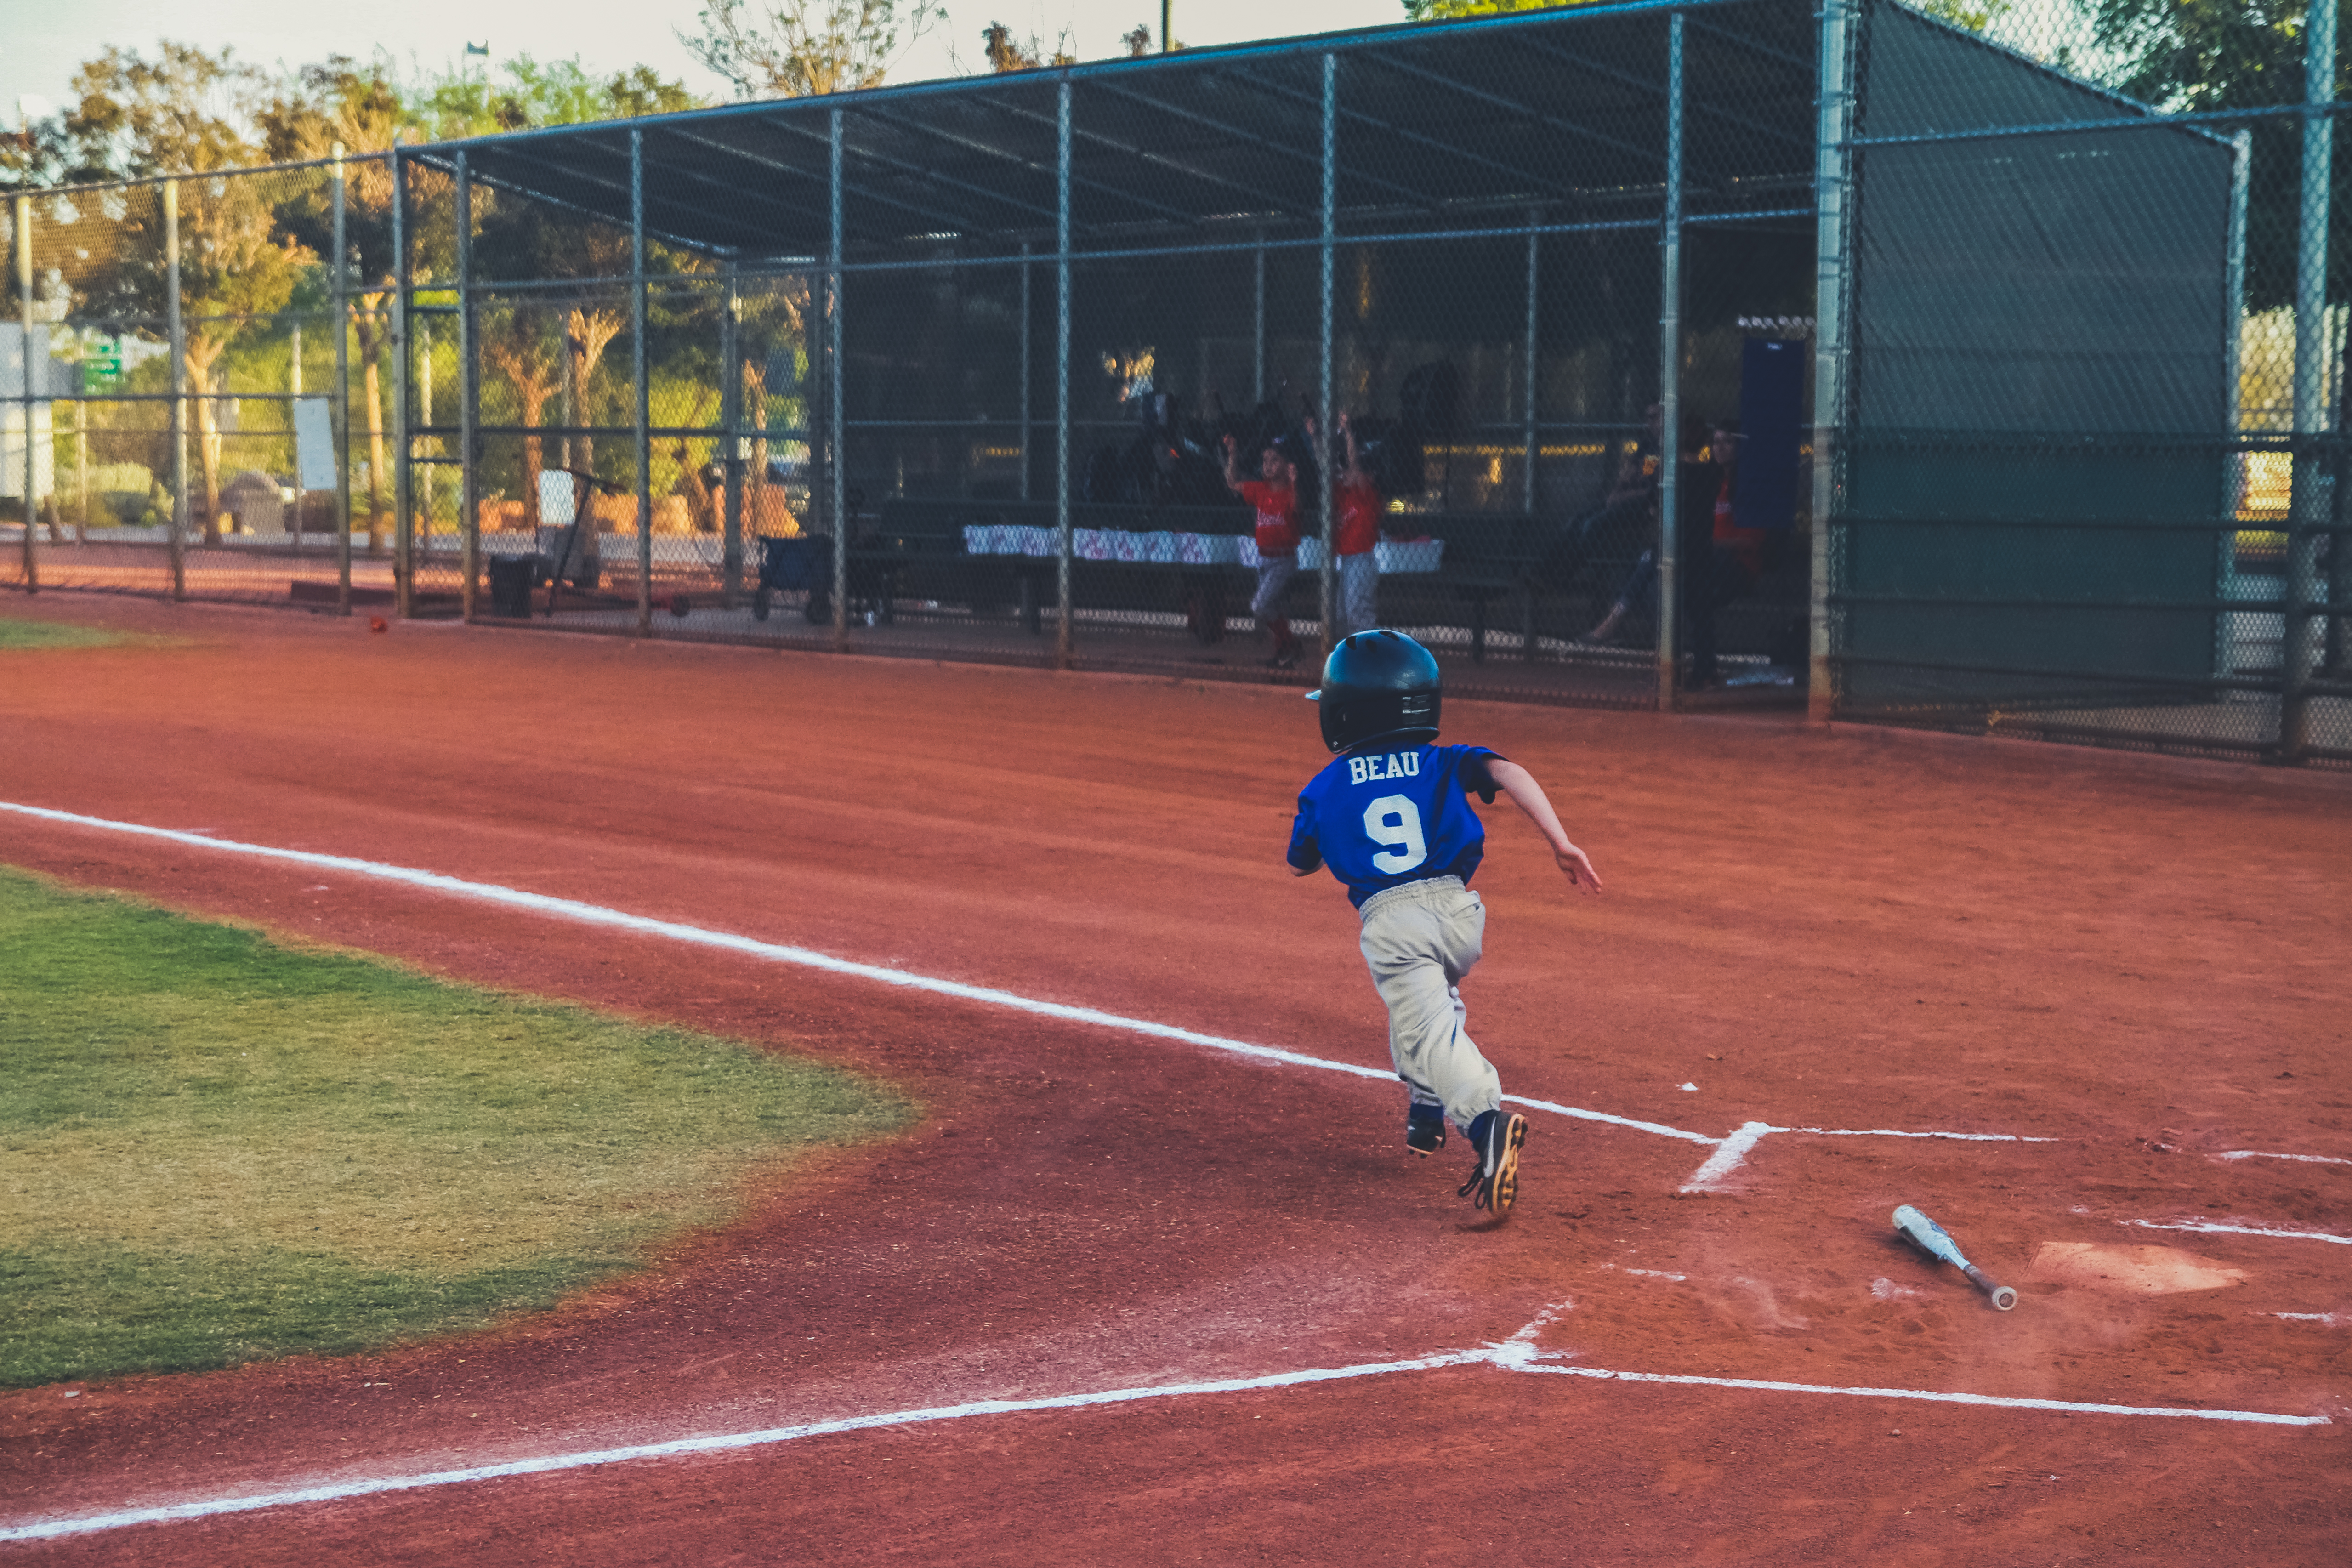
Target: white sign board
x: 314, y: 445
x: 555, y: 497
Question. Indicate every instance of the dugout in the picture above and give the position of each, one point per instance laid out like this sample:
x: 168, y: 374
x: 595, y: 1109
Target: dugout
x: 945, y: 326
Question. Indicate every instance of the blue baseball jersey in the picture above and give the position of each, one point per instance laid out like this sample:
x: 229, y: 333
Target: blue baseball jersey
x: 1382, y: 818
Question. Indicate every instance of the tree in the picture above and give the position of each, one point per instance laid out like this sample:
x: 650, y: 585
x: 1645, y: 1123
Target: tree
x: 234, y: 268
x: 1007, y: 53
x: 366, y: 108
x: 303, y: 116
x: 183, y: 113
x: 528, y: 93
x: 1976, y: 15
x: 2202, y: 56
x: 1447, y: 10
x: 587, y: 331
x: 529, y: 362
x: 802, y: 49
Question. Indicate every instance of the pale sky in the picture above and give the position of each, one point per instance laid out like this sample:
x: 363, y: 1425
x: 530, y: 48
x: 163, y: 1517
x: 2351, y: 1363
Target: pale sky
x: 42, y: 43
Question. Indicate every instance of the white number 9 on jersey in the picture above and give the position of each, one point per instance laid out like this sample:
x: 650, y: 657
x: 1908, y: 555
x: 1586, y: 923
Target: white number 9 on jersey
x: 1395, y: 821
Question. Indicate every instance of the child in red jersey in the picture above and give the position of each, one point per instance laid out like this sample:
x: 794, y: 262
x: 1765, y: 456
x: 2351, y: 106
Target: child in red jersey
x: 1275, y: 496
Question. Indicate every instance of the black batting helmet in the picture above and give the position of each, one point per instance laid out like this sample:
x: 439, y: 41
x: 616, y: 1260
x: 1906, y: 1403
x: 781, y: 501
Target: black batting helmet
x: 1379, y: 686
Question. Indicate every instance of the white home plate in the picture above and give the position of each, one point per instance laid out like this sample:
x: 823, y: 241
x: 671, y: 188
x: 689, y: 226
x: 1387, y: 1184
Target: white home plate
x: 2139, y: 1270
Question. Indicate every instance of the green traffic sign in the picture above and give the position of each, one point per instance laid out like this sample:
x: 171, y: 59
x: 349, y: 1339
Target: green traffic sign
x: 101, y: 366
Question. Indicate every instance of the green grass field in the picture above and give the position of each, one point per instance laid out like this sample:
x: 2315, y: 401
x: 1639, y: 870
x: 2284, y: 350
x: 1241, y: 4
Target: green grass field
x: 17, y: 635
x: 214, y: 1148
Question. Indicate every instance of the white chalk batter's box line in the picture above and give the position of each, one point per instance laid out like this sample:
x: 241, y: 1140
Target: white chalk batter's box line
x: 1517, y: 1354
x: 1730, y: 1149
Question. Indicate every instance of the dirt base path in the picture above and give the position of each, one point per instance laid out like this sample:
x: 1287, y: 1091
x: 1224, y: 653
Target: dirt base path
x: 2139, y: 960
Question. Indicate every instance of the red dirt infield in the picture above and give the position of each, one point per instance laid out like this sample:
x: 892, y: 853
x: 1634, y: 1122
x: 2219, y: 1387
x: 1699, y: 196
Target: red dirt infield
x: 2142, y: 960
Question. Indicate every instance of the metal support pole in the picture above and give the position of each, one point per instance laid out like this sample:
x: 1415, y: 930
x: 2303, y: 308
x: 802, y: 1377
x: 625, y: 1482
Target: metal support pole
x: 342, y: 404
x: 1832, y: 176
x: 1257, y: 331
x: 1527, y: 372
x: 731, y: 442
x: 404, y: 486
x: 1530, y: 451
x: 1670, y: 378
x: 24, y: 362
x: 469, y: 396
x: 2313, y: 498
x: 1062, y: 654
x: 637, y: 370
x: 1025, y: 370
x: 2233, y: 331
x: 176, y: 333
x: 1326, y: 580
x: 838, y: 481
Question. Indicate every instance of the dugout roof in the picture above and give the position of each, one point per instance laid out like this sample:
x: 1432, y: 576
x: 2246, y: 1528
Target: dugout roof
x: 1436, y: 127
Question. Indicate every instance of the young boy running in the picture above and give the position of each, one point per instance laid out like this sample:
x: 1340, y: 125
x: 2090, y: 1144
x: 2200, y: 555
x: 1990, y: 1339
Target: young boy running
x: 1392, y: 817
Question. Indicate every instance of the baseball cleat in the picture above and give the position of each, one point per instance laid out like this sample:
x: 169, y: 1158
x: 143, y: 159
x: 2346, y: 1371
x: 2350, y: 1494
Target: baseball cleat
x: 1494, y: 1181
x: 1424, y: 1129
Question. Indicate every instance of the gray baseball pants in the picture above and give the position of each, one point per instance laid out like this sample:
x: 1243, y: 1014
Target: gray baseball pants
x: 1418, y: 940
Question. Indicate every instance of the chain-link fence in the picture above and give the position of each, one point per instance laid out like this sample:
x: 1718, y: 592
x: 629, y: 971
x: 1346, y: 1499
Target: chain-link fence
x: 1049, y: 367
x: 188, y: 360
x: 2088, y: 424
x: 1052, y: 367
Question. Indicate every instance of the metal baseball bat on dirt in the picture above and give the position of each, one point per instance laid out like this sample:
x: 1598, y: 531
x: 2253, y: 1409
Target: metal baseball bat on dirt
x: 1931, y: 1238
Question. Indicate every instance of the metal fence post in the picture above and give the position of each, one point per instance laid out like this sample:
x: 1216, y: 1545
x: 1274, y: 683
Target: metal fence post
x: 25, y: 361
x: 731, y: 419
x: 1528, y: 478
x: 1670, y: 377
x: 838, y: 481
x: 2233, y: 395
x: 469, y: 395
x: 1257, y: 330
x: 1327, y: 579
x: 1531, y: 437
x: 638, y: 363
x: 2311, y: 499
x: 1062, y: 654
x: 1025, y: 370
x: 404, y: 486
x: 1831, y: 168
x: 176, y: 531
x: 342, y: 404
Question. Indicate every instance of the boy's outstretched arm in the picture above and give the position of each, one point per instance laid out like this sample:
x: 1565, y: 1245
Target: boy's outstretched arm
x: 1528, y: 796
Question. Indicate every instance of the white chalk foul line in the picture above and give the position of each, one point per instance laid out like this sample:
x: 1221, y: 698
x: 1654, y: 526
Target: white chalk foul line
x: 598, y: 915
x: 1519, y: 1354
x: 1716, y: 1168
x: 2263, y: 1154
x: 1768, y: 1385
x: 1891, y: 1133
x: 336, y: 1491
x: 2207, y: 1225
